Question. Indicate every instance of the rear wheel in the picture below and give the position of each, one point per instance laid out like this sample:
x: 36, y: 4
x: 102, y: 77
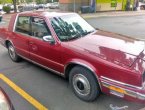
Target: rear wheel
x: 84, y: 84
x: 12, y: 53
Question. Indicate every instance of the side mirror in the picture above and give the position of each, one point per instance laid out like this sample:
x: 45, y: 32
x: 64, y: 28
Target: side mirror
x: 48, y: 39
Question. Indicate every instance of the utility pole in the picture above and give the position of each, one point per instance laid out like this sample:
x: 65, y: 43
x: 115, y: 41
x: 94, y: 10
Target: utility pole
x: 122, y: 4
x: 15, y: 7
x: 43, y: 5
x: 74, y: 5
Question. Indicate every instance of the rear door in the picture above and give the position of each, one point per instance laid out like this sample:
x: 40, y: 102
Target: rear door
x: 21, y: 36
x: 43, y: 52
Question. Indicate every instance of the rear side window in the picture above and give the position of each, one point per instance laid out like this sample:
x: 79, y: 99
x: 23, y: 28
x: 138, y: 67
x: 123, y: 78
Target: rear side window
x: 23, y: 25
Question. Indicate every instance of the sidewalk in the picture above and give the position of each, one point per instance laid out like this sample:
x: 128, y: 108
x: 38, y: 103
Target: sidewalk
x: 112, y: 14
x: 100, y: 14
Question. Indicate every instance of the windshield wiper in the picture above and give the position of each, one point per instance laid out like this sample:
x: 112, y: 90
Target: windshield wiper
x: 90, y: 32
x: 86, y: 33
x: 74, y: 37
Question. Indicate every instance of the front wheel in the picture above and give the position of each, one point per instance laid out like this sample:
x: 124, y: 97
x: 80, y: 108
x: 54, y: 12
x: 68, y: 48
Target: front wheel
x: 12, y: 53
x: 84, y: 84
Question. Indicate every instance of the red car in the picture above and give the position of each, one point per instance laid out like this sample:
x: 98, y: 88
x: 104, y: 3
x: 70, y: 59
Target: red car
x: 92, y: 60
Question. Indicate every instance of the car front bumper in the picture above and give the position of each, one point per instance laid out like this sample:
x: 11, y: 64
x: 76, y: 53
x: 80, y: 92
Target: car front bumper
x: 123, y: 91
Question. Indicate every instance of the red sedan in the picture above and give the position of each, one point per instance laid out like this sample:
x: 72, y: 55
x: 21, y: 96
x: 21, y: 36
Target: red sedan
x: 92, y: 60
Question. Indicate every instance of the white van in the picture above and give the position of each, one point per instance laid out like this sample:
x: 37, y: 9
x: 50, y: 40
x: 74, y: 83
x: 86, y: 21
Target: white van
x: 1, y: 8
x: 141, y: 6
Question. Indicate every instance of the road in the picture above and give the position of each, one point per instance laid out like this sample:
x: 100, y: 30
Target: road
x: 53, y: 91
x: 133, y: 26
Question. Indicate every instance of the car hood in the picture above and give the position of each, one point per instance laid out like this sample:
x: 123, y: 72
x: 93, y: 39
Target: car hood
x: 112, y: 47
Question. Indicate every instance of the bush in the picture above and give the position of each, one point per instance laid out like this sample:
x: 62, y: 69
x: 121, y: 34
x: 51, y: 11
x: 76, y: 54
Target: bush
x: 7, y: 9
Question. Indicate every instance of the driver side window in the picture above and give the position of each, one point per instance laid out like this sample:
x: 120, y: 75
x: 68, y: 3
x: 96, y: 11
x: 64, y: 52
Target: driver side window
x: 23, y: 25
x: 39, y: 28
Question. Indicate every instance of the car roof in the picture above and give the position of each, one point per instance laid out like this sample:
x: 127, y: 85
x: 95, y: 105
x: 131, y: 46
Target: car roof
x: 45, y: 14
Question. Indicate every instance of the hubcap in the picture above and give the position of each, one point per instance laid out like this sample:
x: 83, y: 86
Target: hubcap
x: 81, y: 84
x: 12, y: 52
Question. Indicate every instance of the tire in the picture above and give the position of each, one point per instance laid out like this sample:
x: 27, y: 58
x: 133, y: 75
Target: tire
x: 12, y: 53
x: 84, y: 84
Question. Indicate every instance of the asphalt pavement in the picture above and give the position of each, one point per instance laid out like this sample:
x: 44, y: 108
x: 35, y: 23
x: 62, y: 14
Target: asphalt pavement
x: 53, y: 91
x: 50, y: 90
x: 132, y: 26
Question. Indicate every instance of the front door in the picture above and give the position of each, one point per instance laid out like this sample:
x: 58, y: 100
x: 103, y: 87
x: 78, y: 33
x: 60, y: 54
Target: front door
x: 43, y: 52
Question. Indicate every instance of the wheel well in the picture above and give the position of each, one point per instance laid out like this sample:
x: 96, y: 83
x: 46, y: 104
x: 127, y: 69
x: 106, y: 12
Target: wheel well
x: 72, y: 65
x: 68, y: 69
x: 7, y: 42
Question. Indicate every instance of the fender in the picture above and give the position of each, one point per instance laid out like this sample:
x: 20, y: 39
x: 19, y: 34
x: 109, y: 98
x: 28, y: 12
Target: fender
x: 8, y: 40
x: 86, y: 65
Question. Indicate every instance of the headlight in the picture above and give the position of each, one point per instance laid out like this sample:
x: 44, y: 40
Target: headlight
x: 4, y: 104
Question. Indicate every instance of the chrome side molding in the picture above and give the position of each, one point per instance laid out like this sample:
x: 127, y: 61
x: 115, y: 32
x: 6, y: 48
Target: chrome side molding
x: 61, y: 74
x: 105, y: 79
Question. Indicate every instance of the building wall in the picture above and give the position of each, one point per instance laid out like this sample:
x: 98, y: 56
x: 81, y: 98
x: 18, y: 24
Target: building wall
x: 68, y: 5
x: 101, y: 5
x: 107, y: 7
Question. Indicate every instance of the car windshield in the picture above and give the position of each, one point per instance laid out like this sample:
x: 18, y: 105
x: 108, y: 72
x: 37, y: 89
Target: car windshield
x: 70, y: 27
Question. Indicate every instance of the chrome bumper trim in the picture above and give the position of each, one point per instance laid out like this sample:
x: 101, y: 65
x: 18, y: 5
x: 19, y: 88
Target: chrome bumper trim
x: 120, y: 83
x: 127, y: 92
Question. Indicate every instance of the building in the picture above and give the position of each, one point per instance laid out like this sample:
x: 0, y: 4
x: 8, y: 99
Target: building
x: 72, y: 5
x: 101, y: 5
x: 105, y: 5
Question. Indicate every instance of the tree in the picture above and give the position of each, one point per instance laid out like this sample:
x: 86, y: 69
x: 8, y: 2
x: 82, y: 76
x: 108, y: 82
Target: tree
x: 5, y: 1
x: 7, y: 9
x: 39, y: 1
x: 29, y: 1
x: 10, y: 1
x: 15, y: 7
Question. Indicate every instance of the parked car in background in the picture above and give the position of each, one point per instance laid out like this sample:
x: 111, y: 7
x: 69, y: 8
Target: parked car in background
x: 141, y: 6
x: 41, y: 6
x: 1, y: 7
x: 92, y: 60
x: 27, y: 8
x: 0, y: 16
x: 5, y: 103
x: 20, y: 8
x: 11, y: 6
x: 54, y: 5
x: 47, y: 5
x: 36, y: 7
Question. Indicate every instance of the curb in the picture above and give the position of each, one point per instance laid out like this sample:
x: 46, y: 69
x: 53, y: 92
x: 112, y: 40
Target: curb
x: 112, y: 14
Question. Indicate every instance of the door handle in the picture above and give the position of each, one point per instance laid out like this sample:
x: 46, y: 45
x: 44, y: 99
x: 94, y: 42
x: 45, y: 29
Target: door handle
x: 34, y: 48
